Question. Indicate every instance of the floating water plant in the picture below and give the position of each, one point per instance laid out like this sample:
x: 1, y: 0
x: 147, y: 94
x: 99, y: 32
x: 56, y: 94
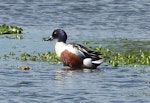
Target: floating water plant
x: 126, y: 52
x: 123, y: 53
x: 114, y: 58
x: 9, y: 29
x: 140, y: 58
x: 48, y: 56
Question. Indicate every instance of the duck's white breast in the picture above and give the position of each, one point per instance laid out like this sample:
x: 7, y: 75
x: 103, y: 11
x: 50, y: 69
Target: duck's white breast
x: 59, y: 48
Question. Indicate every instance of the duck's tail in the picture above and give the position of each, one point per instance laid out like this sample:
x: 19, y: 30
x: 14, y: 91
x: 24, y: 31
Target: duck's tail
x: 98, y: 62
x: 89, y: 63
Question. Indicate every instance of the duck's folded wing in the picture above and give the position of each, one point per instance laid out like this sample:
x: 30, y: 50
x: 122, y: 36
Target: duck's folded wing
x: 87, y: 52
x: 75, y: 50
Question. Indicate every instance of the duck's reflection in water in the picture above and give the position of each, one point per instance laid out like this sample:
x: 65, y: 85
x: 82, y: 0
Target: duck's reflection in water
x: 70, y: 74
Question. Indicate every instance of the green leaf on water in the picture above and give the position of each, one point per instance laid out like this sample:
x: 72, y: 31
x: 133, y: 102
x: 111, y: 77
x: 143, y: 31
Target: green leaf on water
x: 10, y: 29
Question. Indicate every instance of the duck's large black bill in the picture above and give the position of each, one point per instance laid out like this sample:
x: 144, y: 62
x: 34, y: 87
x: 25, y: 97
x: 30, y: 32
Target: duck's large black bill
x: 49, y: 38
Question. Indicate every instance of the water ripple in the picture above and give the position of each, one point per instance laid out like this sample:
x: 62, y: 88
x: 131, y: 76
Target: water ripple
x: 92, y: 20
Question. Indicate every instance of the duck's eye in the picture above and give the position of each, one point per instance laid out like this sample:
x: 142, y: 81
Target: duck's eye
x: 55, y: 33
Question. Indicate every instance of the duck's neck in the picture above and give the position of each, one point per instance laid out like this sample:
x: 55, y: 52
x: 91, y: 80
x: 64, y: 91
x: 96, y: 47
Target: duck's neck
x: 64, y: 41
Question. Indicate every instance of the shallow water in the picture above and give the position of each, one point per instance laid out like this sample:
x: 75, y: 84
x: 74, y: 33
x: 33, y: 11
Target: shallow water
x: 93, y: 21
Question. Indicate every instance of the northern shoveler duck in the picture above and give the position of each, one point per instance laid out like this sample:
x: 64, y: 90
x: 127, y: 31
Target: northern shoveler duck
x: 74, y: 55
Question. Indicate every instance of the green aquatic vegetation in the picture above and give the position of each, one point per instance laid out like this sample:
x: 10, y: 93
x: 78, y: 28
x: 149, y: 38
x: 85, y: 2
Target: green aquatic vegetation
x: 129, y: 55
x: 122, y: 51
x: 5, y: 56
x: 127, y: 59
x: 118, y: 52
x: 12, y: 53
x: 126, y: 52
x: 48, y: 56
x: 86, y: 42
x: 25, y: 56
x: 10, y: 29
x: 44, y: 38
